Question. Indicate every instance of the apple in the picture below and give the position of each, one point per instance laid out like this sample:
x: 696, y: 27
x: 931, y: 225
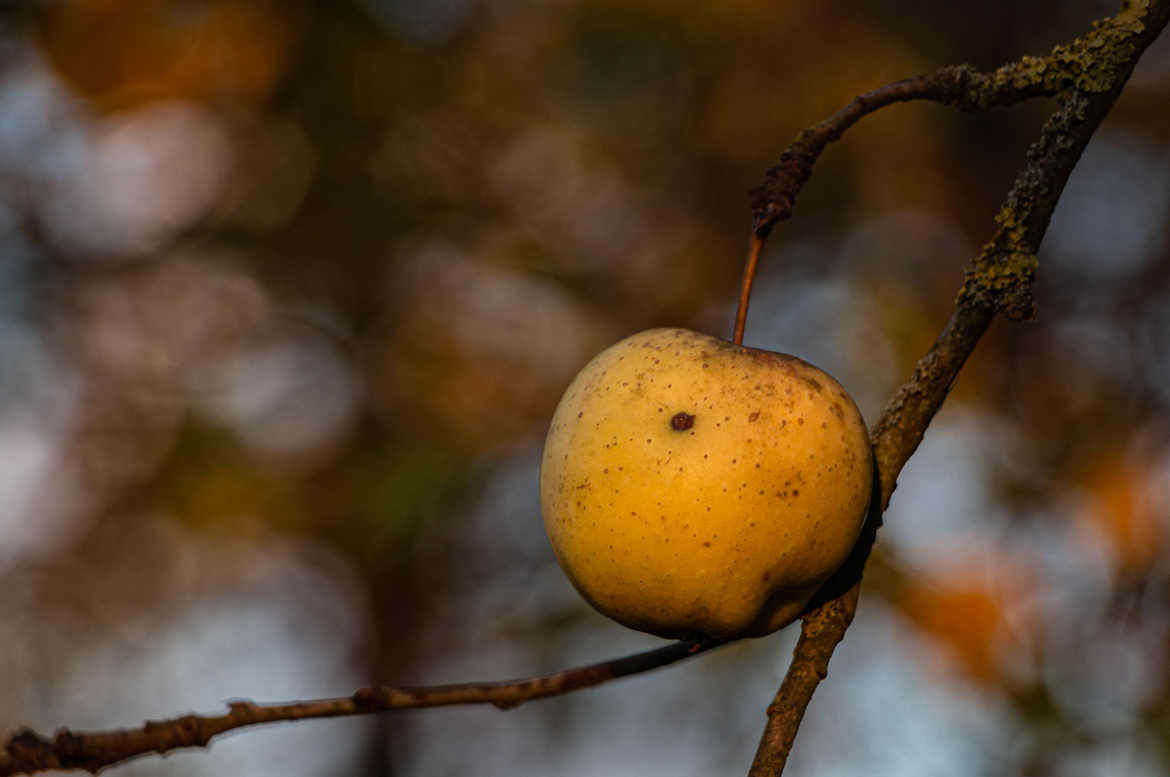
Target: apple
x: 694, y: 487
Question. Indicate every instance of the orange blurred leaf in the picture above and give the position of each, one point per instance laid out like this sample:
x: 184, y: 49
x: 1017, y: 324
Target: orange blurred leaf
x: 122, y: 54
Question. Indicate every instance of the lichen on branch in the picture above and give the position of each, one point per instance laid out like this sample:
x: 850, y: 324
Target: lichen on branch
x: 998, y: 280
x: 1088, y: 65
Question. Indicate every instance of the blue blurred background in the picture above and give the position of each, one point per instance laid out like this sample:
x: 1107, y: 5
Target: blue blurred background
x: 288, y: 292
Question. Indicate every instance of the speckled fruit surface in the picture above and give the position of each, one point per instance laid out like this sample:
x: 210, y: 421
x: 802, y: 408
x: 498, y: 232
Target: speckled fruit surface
x: 692, y: 487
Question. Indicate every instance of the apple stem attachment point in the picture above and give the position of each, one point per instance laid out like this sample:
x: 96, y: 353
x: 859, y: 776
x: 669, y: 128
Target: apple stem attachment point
x: 682, y: 421
x: 745, y: 289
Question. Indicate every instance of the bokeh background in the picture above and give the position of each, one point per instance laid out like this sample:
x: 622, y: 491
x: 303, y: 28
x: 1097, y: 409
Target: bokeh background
x: 289, y: 290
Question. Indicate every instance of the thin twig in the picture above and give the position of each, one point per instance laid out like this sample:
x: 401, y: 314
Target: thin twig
x: 27, y: 752
x: 774, y: 199
x: 1088, y: 64
x: 998, y: 280
x: 958, y: 85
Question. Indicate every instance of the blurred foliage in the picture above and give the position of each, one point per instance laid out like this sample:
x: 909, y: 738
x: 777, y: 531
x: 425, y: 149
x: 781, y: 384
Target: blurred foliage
x: 289, y: 291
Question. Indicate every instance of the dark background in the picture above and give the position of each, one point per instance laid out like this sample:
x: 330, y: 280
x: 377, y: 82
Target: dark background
x: 288, y: 292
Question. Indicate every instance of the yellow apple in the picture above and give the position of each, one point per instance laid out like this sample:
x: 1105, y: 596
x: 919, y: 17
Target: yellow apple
x: 693, y: 487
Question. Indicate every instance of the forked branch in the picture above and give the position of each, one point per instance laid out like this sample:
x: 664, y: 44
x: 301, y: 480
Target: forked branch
x: 1088, y: 65
x: 998, y: 280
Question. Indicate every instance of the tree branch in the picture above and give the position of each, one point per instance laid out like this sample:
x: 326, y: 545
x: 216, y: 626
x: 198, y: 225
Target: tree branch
x: 999, y: 279
x: 1089, y: 65
x: 27, y: 752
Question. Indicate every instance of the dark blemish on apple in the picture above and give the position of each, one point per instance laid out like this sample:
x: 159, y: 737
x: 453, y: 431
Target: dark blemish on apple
x: 754, y: 417
x: 682, y: 421
x: 767, y: 576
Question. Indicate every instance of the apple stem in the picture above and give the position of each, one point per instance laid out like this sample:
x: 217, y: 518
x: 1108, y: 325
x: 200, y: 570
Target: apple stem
x: 745, y: 289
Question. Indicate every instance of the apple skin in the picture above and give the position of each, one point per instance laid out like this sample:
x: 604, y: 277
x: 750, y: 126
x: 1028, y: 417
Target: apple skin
x: 692, y: 487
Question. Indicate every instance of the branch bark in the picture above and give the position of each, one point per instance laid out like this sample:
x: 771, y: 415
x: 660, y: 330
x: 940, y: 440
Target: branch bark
x: 27, y: 752
x: 998, y: 280
x: 1088, y: 65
